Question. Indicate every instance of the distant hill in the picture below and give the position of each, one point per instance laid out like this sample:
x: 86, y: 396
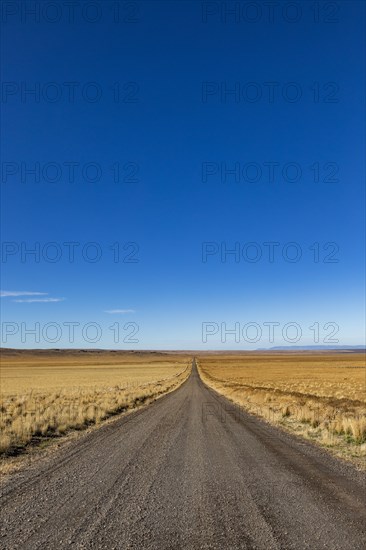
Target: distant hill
x: 284, y: 348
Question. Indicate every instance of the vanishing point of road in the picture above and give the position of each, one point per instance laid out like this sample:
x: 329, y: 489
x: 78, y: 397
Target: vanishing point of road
x: 189, y: 471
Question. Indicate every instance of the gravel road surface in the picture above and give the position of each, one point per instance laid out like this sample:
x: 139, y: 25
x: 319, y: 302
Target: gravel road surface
x: 189, y: 471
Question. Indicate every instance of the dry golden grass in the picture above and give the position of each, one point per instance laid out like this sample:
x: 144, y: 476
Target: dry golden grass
x: 48, y: 394
x: 318, y: 395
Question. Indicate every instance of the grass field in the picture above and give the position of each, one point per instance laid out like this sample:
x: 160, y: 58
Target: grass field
x: 46, y: 395
x: 320, y: 396
x: 317, y: 395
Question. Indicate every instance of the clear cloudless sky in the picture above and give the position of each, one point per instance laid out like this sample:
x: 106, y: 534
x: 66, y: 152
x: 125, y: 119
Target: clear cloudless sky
x: 173, y: 136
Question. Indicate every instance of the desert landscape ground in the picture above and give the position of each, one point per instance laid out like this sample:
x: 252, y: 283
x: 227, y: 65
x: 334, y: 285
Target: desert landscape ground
x: 46, y: 394
x: 318, y: 395
x: 195, y: 468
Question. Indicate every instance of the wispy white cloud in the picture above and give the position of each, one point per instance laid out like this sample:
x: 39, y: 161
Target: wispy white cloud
x: 119, y: 311
x: 15, y: 293
x: 32, y: 300
x: 7, y: 293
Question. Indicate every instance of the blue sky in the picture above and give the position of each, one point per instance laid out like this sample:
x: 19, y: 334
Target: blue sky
x: 169, y: 101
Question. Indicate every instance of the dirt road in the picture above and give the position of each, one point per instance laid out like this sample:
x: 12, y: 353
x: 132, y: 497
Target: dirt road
x: 189, y: 471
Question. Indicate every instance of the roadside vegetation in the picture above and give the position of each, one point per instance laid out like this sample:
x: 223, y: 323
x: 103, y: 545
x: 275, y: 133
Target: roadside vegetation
x: 320, y: 396
x: 45, y: 396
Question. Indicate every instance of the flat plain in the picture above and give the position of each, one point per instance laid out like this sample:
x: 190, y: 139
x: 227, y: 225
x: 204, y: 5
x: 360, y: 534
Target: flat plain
x: 192, y: 470
x: 317, y: 395
x: 45, y: 395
